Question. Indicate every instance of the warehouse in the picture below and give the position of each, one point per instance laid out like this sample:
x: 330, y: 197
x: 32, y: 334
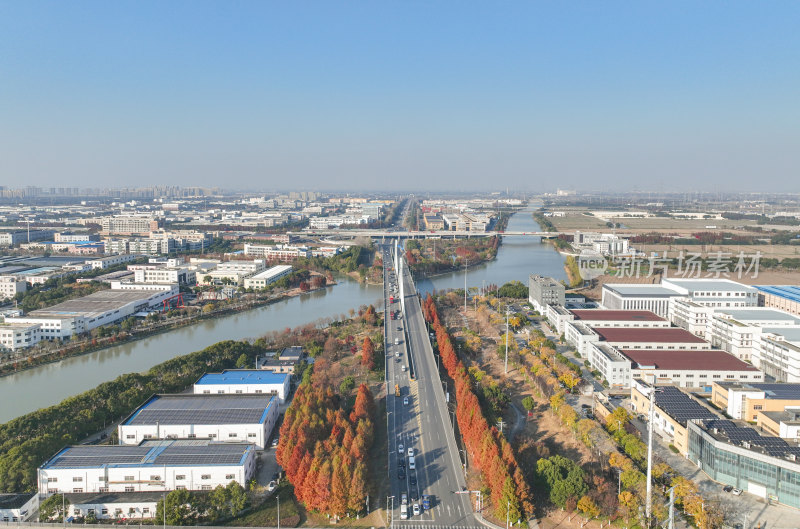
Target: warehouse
x: 152, y: 465
x: 737, y: 330
x: 224, y: 418
x: 18, y: 507
x: 783, y: 297
x: 114, y: 505
x: 262, y: 279
x: 80, y: 315
x: 654, y: 298
x: 745, y: 400
x: 690, y: 369
x: 619, y: 318
x: 672, y: 338
x: 244, y: 381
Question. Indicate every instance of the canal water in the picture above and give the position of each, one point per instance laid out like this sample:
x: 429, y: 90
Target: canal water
x: 517, y: 258
x: 49, y: 384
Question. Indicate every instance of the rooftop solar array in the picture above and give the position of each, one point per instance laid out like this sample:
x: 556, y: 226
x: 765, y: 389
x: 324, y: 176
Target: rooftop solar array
x: 152, y: 453
x: 202, y: 409
x: 779, y: 390
x: 741, y: 436
x: 681, y: 406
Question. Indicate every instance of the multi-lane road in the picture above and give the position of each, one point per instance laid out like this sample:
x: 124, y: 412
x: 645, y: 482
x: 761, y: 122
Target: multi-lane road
x: 419, y: 418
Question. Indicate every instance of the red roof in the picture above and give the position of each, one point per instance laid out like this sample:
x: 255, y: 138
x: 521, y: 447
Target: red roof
x: 647, y: 335
x: 707, y: 360
x: 616, y: 315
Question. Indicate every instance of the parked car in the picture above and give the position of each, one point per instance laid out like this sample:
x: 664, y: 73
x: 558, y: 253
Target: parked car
x: 727, y: 488
x: 736, y: 492
x: 271, y: 486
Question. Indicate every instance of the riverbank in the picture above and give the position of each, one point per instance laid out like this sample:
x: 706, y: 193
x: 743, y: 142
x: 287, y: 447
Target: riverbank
x: 91, y: 345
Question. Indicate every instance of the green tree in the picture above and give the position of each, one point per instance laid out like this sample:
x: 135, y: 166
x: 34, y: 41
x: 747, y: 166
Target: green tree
x: 347, y: 385
x: 528, y: 403
x: 243, y: 361
x: 179, y: 508
x: 50, y: 508
x: 562, y: 478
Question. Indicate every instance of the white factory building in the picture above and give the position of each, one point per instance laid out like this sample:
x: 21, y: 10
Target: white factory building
x: 16, y: 336
x: 152, y: 465
x: 262, y: 279
x: 777, y: 353
x: 113, y: 505
x: 220, y: 417
x: 737, y: 330
x: 18, y: 507
x: 654, y: 298
x: 255, y: 381
x: 80, y: 315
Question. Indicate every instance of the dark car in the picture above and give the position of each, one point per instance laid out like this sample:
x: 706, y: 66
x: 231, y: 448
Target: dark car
x: 413, y: 481
x: 727, y: 488
x: 401, y: 473
x: 401, y: 462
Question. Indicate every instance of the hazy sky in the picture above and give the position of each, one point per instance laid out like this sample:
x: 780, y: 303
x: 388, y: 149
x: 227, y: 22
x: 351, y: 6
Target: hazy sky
x: 411, y: 94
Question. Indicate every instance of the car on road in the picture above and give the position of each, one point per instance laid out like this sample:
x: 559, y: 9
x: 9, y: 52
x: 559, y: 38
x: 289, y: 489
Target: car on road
x: 736, y: 492
x: 413, y: 481
x: 416, y: 509
x: 271, y: 486
x: 411, y: 465
x: 401, y: 462
x: 426, y: 502
x: 584, y: 406
x: 404, y: 499
x: 403, y: 369
x: 401, y: 473
x: 727, y: 488
x: 404, y: 512
x: 397, y: 353
x: 275, y: 442
x: 400, y: 449
x: 410, y: 451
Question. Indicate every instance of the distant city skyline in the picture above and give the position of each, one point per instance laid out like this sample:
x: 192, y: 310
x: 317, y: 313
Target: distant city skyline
x: 427, y: 96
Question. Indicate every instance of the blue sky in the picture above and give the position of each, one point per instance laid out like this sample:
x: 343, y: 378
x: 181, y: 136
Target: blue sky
x: 427, y: 95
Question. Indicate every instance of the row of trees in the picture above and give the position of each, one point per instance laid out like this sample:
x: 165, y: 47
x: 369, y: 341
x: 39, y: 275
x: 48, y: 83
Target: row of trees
x: 489, y: 451
x: 27, y: 441
x: 324, y: 450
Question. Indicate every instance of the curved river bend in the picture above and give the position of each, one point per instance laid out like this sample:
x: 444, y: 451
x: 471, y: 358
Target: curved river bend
x: 49, y: 384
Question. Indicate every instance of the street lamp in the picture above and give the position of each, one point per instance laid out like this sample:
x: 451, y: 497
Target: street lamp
x: 465, y: 462
x: 505, y: 367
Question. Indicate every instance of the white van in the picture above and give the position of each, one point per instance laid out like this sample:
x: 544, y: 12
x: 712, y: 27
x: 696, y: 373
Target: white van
x: 404, y: 512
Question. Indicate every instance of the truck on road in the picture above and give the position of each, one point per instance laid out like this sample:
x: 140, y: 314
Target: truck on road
x: 397, y: 390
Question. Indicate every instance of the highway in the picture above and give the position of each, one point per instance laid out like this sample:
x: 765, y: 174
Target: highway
x: 424, y: 423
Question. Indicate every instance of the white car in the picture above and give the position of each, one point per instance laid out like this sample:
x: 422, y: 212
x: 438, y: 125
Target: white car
x: 271, y: 486
x: 397, y: 353
x: 405, y: 401
x: 736, y: 492
x: 416, y: 509
x: 411, y: 451
x: 400, y: 448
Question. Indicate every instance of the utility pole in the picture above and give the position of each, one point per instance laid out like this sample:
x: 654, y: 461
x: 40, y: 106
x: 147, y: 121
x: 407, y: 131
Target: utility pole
x: 651, y: 415
x: 501, y: 424
x: 465, y: 282
x: 508, y: 507
x: 505, y: 367
x: 278, y: 497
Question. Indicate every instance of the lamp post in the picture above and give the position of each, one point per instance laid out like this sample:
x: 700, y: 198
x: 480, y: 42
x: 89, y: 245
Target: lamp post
x: 465, y: 462
x: 505, y: 365
x: 278, y: 498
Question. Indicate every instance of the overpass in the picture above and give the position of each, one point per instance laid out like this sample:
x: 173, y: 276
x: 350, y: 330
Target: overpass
x: 421, y: 234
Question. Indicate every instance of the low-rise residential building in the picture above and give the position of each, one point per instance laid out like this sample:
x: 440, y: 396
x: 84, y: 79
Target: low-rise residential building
x: 229, y: 418
x: 745, y: 400
x: 153, y: 465
x: 262, y: 279
x: 284, y: 362
x: 243, y: 381
x: 767, y: 467
x: 18, y: 507
x: 543, y: 291
x: 672, y: 412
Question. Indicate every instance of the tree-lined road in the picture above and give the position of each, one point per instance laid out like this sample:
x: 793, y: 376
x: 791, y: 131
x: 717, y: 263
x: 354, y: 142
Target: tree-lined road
x: 423, y: 424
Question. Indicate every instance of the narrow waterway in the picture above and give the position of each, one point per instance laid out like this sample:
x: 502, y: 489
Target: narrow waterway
x: 517, y: 258
x: 49, y: 384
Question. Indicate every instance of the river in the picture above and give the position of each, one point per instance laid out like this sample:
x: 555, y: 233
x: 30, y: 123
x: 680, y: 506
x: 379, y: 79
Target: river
x: 517, y: 258
x: 49, y: 384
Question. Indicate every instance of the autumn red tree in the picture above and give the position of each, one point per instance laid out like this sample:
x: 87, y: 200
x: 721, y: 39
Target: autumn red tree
x: 368, y: 353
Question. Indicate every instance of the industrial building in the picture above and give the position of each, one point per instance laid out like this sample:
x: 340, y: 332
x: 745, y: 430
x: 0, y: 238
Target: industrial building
x: 244, y: 381
x: 18, y: 507
x: 220, y: 417
x: 544, y: 291
x: 262, y: 279
x: 654, y: 298
x: 782, y: 297
x: 784, y: 424
x: 672, y: 411
x: 737, y: 330
x: 767, y: 467
x: 153, y: 465
x: 745, y: 400
x: 11, y: 285
x: 16, y: 336
x: 114, y: 505
x: 690, y: 369
x: 651, y: 338
x: 277, y: 252
x: 777, y: 353
x: 80, y: 315
x: 112, y: 260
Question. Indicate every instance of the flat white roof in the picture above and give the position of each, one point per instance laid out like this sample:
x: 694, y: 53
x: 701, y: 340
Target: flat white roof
x: 272, y: 272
